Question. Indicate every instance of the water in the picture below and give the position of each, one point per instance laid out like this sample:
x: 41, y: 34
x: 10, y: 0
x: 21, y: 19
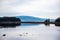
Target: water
x: 37, y: 32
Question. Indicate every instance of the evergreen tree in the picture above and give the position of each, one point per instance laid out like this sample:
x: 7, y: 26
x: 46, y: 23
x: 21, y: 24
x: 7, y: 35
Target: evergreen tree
x: 47, y: 22
x: 57, y: 22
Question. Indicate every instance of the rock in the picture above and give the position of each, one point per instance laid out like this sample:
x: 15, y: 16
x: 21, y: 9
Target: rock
x: 4, y: 35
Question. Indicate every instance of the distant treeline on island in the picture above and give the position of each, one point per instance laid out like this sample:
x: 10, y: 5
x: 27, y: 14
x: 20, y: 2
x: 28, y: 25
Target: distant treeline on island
x: 13, y: 21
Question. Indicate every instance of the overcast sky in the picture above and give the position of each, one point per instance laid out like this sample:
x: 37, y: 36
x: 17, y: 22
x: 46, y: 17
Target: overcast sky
x: 38, y: 8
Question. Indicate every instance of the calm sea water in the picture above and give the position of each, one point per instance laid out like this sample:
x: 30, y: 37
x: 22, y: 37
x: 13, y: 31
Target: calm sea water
x: 37, y: 32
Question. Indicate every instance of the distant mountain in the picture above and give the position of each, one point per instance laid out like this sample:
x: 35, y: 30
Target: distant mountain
x: 30, y: 19
x: 52, y: 20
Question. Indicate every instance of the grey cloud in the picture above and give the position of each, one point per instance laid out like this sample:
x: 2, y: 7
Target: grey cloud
x: 14, y: 2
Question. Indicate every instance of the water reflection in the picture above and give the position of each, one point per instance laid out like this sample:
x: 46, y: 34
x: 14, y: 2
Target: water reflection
x: 37, y: 32
x: 22, y: 24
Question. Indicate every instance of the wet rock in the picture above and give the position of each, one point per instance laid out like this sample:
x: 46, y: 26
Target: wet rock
x: 4, y: 35
x: 20, y: 34
x: 26, y: 33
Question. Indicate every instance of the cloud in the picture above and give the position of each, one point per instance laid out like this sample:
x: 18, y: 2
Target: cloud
x: 42, y: 8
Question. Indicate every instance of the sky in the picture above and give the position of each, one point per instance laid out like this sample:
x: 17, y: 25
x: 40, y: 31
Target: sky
x: 37, y: 8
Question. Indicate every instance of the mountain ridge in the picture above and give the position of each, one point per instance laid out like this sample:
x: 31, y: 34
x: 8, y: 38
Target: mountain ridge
x: 31, y: 19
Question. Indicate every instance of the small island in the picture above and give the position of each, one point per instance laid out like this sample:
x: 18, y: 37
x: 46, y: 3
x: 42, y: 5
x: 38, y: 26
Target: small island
x: 57, y: 22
